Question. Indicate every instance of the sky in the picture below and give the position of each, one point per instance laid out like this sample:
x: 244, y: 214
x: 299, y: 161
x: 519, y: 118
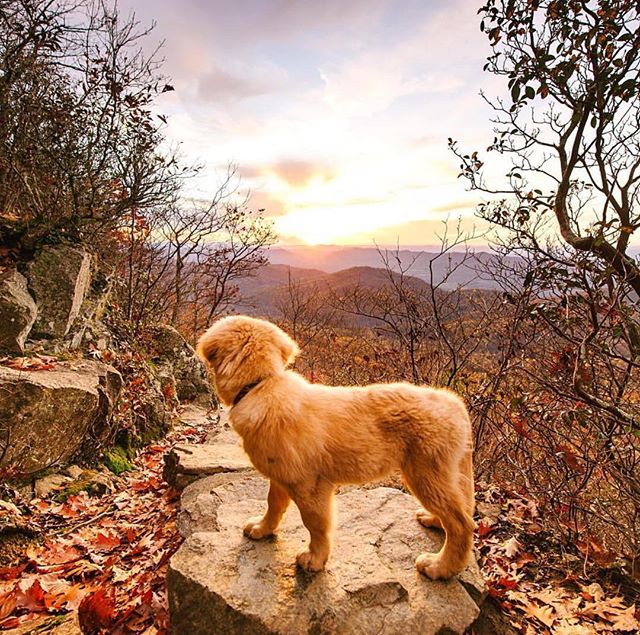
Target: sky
x: 336, y: 113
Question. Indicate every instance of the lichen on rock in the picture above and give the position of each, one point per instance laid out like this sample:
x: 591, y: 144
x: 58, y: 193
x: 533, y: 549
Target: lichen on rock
x: 48, y: 416
x: 17, y: 311
x: 59, y: 278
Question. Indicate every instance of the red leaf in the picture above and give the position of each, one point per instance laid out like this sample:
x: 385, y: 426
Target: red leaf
x: 96, y: 611
x: 107, y: 541
x: 30, y: 596
x: 484, y: 530
x: 507, y: 583
x: 11, y: 573
x: 7, y: 605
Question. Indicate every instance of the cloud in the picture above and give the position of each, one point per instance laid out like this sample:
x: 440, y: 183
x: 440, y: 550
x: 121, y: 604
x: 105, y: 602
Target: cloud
x: 369, y: 85
x: 271, y: 204
x: 421, y: 232
x: 247, y: 23
x: 417, y: 58
x: 453, y: 206
x: 299, y: 172
x: 238, y: 82
x: 294, y: 172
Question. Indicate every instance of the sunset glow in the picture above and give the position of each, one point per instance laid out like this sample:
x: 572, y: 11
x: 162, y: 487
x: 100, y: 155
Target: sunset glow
x: 336, y: 116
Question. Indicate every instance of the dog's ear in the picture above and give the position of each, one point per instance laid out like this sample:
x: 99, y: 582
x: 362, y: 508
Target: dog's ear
x: 288, y: 348
x: 207, y: 348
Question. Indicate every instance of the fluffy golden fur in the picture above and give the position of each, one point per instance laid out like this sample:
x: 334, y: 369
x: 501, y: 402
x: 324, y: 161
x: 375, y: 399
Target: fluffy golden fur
x: 308, y: 438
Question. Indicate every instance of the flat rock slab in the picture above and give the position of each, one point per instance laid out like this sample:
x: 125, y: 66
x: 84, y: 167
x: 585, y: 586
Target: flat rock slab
x: 184, y: 464
x: 223, y: 432
x: 221, y: 582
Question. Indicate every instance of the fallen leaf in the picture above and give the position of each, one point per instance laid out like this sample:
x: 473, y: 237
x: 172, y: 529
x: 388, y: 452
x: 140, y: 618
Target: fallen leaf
x: 96, y: 611
x: 543, y: 613
x: 626, y: 620
x: 511, y: 547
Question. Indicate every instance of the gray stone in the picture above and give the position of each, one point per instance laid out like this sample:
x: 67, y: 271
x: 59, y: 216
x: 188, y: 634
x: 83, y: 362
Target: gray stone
x: 74, y: 471
x: 185, y: 463
x: 17, y: 311
x: 221, y: 582
x: 175, y: 359
x: 46, y: 416
x: 200, y: 501
x: 59, y: 277
x: 50, y: 484
x: 222, y: 432
x: 195, y: 415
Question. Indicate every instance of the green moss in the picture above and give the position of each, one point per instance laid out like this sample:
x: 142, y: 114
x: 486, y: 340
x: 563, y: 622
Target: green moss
x: 85, y: 483
x: 153, y: 433
x: 51, y: 623
x: 117, y: 460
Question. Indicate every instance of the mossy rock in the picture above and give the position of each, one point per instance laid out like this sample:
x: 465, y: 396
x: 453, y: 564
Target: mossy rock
x: 117, y: 460
x: 92, y: 482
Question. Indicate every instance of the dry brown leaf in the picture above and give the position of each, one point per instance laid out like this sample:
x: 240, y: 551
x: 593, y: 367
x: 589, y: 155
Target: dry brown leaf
x: 544, y: 614
x: 511, y: 547
x: 626, y: 620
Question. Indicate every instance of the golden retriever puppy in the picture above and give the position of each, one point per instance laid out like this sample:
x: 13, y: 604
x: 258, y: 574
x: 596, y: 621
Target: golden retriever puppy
x: 308, y: 438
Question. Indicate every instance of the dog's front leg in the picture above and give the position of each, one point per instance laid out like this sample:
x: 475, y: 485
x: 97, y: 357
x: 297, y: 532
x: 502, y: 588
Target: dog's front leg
x: 277, y: 501
x: 315, y: 502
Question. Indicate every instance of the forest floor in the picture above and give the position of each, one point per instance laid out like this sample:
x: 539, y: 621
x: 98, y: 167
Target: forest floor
x: 98, y: 565
x: 538, y: 585
x: 95, y: 564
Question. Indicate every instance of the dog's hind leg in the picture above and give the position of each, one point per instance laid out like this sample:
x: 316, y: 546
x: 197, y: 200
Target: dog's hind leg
x: 439, y: 490
x: 428, y: 519
x: 315, y: 502
x: 261, y: 527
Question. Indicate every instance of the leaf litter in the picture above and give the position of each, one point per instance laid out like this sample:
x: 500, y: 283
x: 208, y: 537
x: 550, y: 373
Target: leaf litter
x: 538, y: 585
x: 101, y: 561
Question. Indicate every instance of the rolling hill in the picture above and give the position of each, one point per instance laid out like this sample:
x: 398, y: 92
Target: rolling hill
x: 333, y: 259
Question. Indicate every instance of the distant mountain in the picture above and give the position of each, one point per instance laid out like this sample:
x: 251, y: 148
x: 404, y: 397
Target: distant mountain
x: 273, y: 276
x: 332, y: 259
x: 262, y: 293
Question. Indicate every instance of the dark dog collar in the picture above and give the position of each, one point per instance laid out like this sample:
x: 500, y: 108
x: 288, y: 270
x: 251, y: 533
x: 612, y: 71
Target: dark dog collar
x: 245, y: 390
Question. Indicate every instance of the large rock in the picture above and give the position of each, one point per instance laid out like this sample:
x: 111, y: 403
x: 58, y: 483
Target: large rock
x: 59, y: 278
x: 17, y: 311
x: 176, y: 360
x: 46, y: 416
x: 186, y: 463
x: 221, y: 582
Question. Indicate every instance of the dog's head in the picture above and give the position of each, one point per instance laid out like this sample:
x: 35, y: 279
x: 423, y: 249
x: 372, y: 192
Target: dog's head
x: 241, y: 350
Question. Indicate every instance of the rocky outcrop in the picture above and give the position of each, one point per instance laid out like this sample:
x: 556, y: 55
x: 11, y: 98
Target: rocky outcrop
x: 177, y: 363
x: 17, y: 311
x: 47, y: 415
x: 59, y: 278
x: 221, y: 582
x: 184, y: 464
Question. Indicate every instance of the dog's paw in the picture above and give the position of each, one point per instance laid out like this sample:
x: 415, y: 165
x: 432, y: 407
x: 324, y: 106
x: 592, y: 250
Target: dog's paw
x: 427, y: 519
x: 310, y: 562
x: 431, y: 565
x: 256, y: 530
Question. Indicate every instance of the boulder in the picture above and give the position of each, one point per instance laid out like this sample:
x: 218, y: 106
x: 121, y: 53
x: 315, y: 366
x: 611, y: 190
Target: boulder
x: 46, y: 416
x: 50, y: 484
x: 175, y: 359
x: 184, y: 464
x: 59, y: 278
x: 222, y: 582
x: 17, y: 311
